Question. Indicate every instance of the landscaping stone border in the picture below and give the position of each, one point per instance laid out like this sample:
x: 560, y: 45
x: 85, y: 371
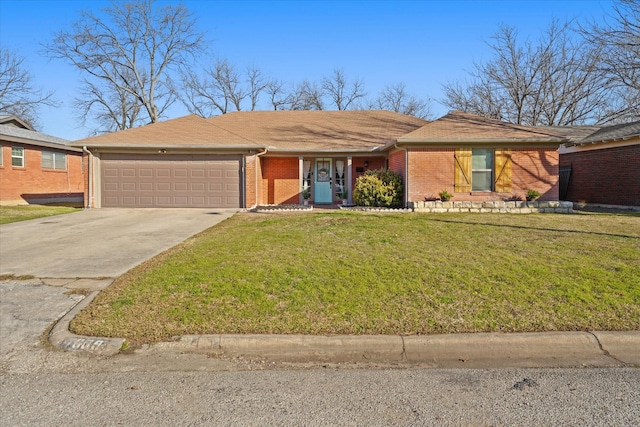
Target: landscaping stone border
x: 282, y: 208
x: 494, y: 207
x: 514, y: 207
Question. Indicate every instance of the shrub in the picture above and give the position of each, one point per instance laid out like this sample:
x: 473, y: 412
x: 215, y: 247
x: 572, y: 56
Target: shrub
x: 379, y: 188
x: 532, y: 195
x: 445, y: 195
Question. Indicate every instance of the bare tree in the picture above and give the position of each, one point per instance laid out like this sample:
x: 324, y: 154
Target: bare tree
x: 618, y: 40
x: 222, y: 89
x: 18, y: 95
x: 342, y: 94
x: 306, y: 96
x: 552, y: 82
x: 113, y: 109
x: 278, y: 96
x: 257, y: 84
x: 395, y: 98
x: 133, y: 48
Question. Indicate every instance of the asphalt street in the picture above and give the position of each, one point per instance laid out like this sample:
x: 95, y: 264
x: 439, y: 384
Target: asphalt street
x: 41, y: 386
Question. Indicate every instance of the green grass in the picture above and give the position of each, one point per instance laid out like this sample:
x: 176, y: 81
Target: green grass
x: 355, y: 273
x: 10, y: 214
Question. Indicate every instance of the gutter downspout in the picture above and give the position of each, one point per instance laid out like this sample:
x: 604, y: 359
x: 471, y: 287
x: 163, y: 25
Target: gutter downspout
x: 258, y: 155
x: 406, y: 173
x: 89, y: 176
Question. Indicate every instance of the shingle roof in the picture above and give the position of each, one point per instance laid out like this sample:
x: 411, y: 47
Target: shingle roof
x: 615, y: 132
x: 16, y: 134
x: 319, y: 130
x: 573, y: 133
x: 185, y: 132
x: 11, y: 120
x: 458, y: 126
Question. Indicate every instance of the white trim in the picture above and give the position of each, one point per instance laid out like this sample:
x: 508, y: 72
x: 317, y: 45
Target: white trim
x: 597, y: 145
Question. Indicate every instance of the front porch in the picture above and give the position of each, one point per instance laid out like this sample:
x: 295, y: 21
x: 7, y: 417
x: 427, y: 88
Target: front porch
x: 325, y: 179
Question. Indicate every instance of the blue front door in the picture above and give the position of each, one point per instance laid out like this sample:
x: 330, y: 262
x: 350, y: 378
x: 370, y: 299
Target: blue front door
x: 322, y: 181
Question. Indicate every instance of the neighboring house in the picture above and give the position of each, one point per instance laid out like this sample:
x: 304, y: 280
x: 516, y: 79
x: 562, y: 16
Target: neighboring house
x: 603, y: 167
x: 38, y: 168
x: 245, y: 159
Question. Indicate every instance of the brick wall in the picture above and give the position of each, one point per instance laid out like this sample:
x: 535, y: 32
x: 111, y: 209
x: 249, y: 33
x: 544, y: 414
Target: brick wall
x: 397, y: 163
x: 373, y: 163
x: 33, y: 184
x: 251, y: 197
x: 536, y: 169
x: 606, y: 176
x: 280, y: 181
x: 431, y: 170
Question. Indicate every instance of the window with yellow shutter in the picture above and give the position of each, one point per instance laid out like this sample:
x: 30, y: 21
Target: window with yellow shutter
x: 482, y: 170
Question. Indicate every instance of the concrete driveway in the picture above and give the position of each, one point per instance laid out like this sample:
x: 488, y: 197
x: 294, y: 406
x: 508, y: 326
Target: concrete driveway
x: 97, y: 243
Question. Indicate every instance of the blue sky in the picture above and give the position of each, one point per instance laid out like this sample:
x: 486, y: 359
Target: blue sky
x: 423, y: 44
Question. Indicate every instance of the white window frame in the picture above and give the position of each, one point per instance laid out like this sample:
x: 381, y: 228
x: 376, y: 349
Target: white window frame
x: 484, y: 171
x: 20, y: 157
x: 54, y: 160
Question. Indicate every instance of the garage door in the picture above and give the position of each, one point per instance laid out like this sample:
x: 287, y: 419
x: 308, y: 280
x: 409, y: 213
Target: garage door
x: 170, y: 181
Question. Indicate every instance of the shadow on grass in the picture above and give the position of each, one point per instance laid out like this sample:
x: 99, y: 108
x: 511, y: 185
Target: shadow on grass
x: 524, y: 227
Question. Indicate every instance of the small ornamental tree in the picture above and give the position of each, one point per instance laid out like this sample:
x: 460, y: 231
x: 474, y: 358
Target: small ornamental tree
x: 379, y: 188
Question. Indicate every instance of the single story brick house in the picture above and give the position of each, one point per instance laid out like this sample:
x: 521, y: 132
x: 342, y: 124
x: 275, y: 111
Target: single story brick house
x: 246, y: 159
x: 36, y: 168
x: 603, y: 167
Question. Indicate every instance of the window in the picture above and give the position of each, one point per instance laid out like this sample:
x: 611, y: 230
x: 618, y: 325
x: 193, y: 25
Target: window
x: 481, y: 170
x: 17, y: 157
x: 54, y: 160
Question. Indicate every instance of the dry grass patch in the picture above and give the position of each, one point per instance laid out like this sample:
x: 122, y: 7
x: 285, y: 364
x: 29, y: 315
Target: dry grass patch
x: 355, y: 273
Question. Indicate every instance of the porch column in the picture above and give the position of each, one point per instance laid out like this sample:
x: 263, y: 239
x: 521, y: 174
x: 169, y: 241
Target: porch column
x: 300, y: 178
x: 349, y: 177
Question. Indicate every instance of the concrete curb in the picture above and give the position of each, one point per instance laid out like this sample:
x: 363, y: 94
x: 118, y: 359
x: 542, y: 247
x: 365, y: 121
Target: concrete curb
x: 537, y: 349
x: 544, y: 349
x: 61, y: 338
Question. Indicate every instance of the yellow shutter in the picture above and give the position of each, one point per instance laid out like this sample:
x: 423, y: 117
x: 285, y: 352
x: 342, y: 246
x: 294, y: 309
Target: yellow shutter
x: 503, y: 170
x: 462, y: 167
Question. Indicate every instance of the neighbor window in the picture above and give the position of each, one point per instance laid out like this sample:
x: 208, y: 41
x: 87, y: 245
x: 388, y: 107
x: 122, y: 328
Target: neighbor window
x: 54, y: 160
x: 481, y: 169
x: 17, y: 157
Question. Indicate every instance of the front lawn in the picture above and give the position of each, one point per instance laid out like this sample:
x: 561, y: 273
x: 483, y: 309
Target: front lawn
x: 23, y: 213
x: 356, y: 273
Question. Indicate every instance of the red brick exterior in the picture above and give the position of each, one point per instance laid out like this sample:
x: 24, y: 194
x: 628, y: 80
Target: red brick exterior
x: 605, y: 176
x: 431, y: 170
x: 536, y: 169
x: 32, y: 183
x: 250, y: 175
x: 280, y: 181
x: 397, y: 163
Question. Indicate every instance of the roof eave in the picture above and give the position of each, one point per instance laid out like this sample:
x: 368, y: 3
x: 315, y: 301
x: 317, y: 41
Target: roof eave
x: 600, y: 141
x: 198, y: 147
x: 473, y: 141
x: 34, y: 142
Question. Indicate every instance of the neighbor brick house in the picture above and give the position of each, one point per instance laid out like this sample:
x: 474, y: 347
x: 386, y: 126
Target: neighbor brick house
x: 38, y: 168
x: 246, y: 159
x: 603, y: 167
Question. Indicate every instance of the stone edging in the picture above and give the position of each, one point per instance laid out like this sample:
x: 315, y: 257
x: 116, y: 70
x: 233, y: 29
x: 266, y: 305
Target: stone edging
x: 493, y: 207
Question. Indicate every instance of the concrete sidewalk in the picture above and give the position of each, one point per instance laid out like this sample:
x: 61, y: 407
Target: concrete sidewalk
x: 479, y: 350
